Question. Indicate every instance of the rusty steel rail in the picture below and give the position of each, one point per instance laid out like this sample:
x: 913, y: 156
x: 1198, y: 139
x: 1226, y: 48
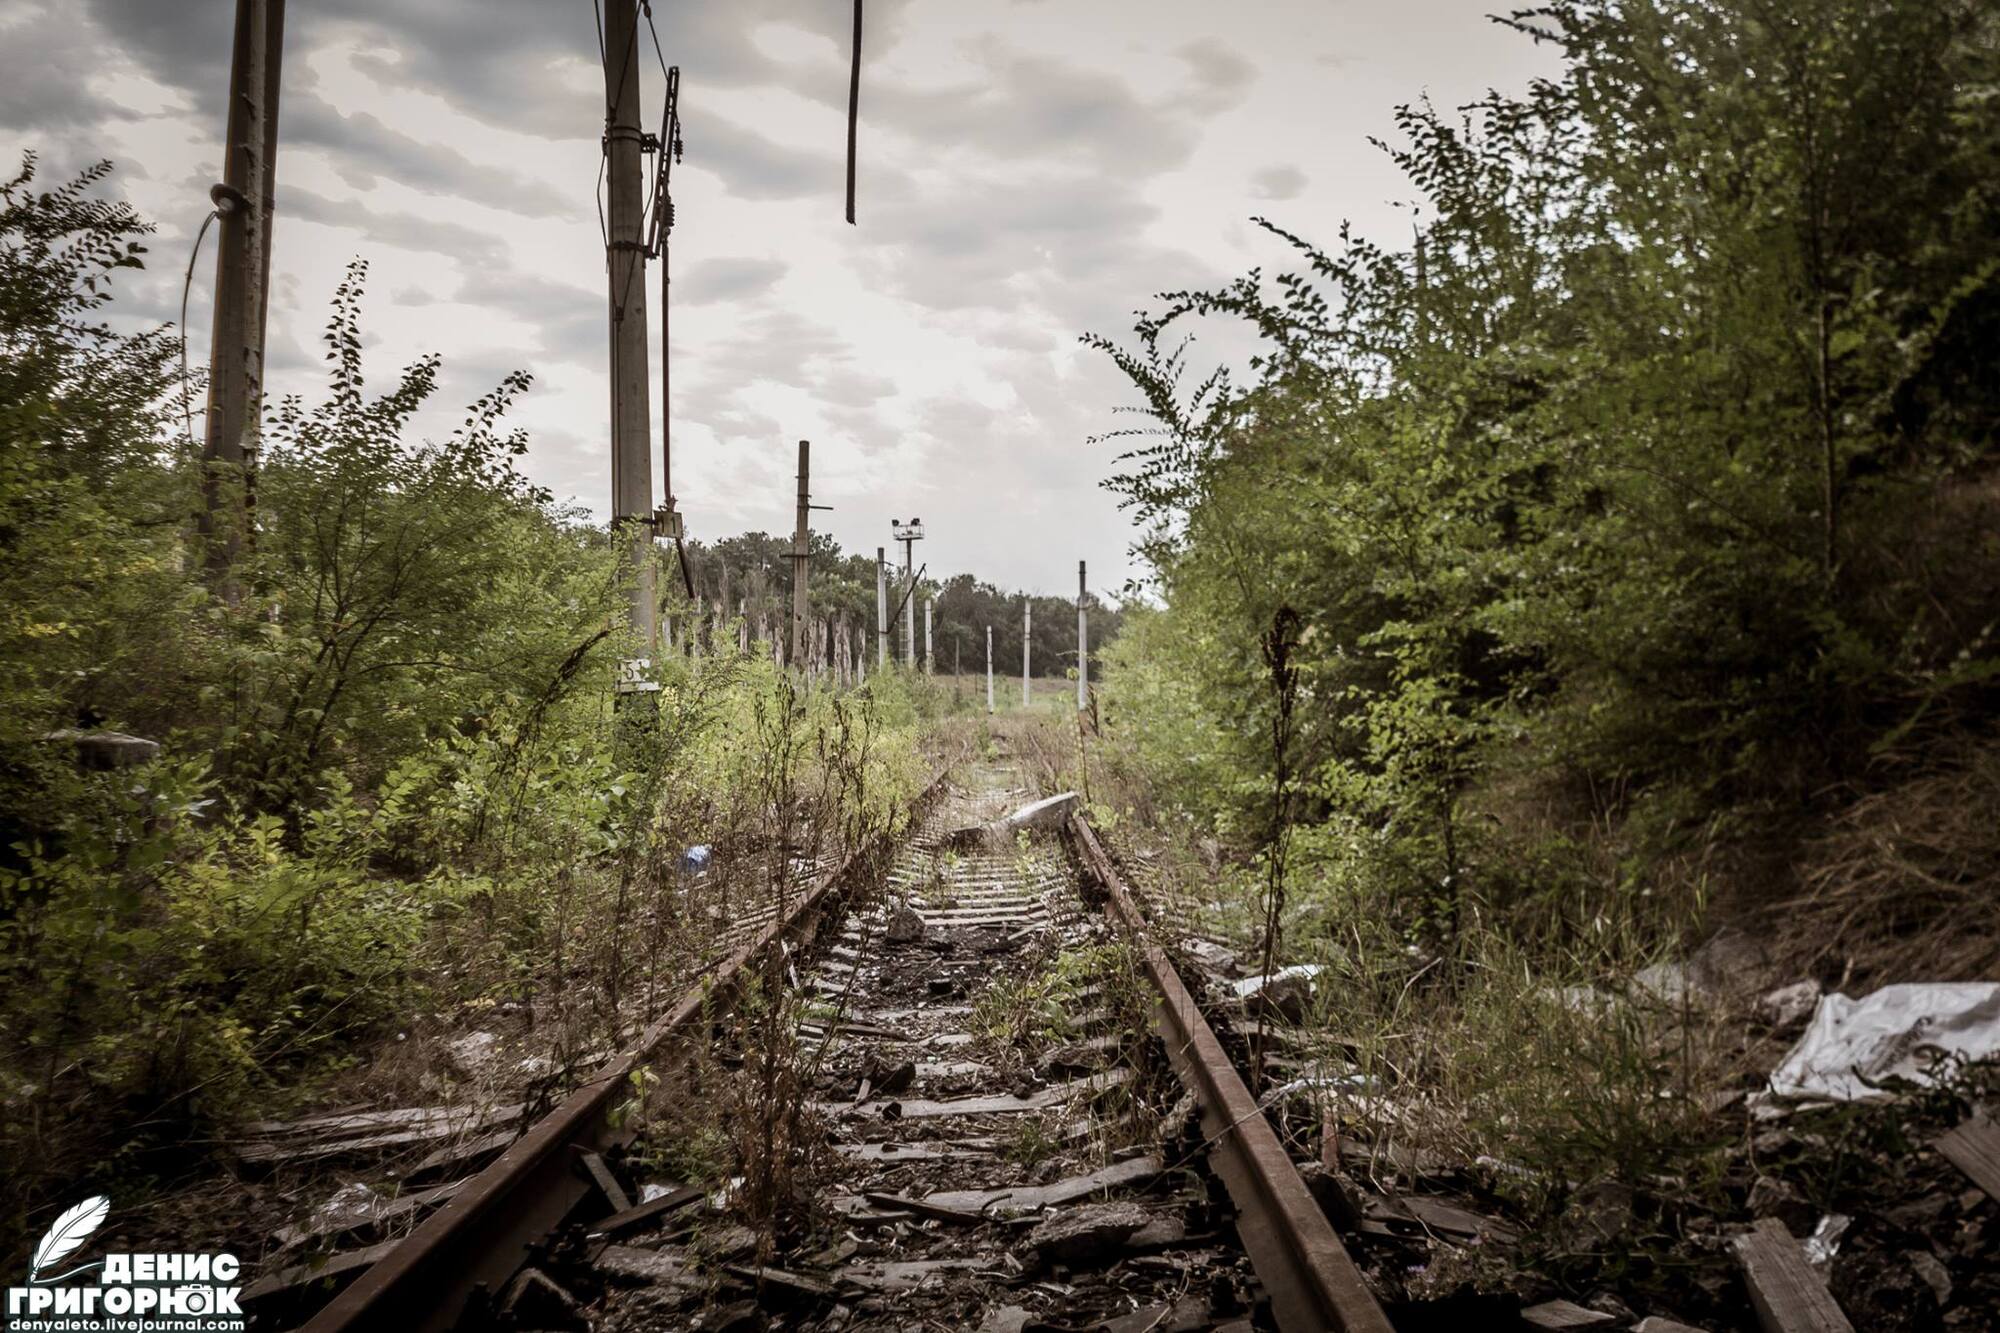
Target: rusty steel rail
x: 484, y: 1234
x: 1313, y: 1283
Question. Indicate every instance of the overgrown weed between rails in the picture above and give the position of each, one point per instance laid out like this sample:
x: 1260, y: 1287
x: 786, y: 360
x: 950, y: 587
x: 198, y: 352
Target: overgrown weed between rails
x: 1030, y: 1019
x: 821, y: 787
x: 1521, y: 1047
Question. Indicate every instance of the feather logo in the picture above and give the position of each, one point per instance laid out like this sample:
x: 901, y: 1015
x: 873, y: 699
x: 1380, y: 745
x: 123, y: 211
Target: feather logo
x: 72, y: 1229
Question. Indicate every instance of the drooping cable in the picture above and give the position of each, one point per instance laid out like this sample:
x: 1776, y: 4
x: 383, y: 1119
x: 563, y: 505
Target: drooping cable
x: 187, y: 284
x: 853, y: 108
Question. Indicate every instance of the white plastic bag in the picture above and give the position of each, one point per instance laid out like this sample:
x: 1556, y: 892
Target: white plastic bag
x: 1887, y: 1035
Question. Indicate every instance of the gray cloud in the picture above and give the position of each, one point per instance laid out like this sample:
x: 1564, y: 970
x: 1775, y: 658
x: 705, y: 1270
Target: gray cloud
x: 751, y: 166
x: 47, y: 83
x: 1220, y: 70
x: 1279, y: 182
x: 1032, y: 108
x: 405, y: 231
x: 364, y: 149
x: 568, y: 322
x: 727, y: 279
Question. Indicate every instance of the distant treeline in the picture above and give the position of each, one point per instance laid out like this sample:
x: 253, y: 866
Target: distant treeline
x: 750, y: 575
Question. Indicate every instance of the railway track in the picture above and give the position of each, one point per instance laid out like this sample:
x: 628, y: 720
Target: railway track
x: 1004, y: 1109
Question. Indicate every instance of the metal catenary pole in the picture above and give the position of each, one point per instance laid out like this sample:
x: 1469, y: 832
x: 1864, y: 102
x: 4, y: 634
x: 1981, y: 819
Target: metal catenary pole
x: 1082, y: 643
x: 909, y: 609
x: 930, y: 661
x: 801, y: 556
x: 881, y: 608
x: 1027, y: 639
x: 989, y: 668
x: 242, y: 277
x: 909, y: 534
x: 631, y: 424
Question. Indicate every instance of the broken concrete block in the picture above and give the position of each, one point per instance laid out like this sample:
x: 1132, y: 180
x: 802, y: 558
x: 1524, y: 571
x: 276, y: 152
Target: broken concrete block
x: 1935, y: 1275
x: 1006, y: 1319
x: 1789, y: 1006
x: 1209, y: 955
x: 1287, y: 991
x: 473, y: 1054
x: 905, y: 926
x: 1730, y: 963
x: 1093, y: 1232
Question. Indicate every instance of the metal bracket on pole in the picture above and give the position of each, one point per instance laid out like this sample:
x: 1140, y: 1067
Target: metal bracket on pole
x: 668, y: 524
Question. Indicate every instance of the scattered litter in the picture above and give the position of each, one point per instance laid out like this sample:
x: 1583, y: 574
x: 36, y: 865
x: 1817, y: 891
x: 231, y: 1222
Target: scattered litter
x: 353, y: 1205
x: 1824, y: 1243
x: 1852, y: 1045
x: 1287, y: 990
x: 1344, y: 1083
x: 696, y: 858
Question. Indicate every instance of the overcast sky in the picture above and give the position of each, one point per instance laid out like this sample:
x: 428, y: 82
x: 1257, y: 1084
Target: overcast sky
x: 1028, y: 172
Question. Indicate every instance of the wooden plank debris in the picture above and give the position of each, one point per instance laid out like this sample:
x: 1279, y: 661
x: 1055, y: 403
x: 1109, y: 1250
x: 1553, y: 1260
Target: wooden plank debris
x: 894, y: 1152
x: 924, y: 1208
x: 453, y: 1155
x: 1787, y: 1295
x: 1023, y: 1198
x: 415, y: 1126
x: 348, y: 1122
x: 796, y: 1284
x: 1563, y: 1314
x: 296, y: 1276
x: 901, y: 1275
x: 384, y: 1214
x: 1418, y: 1211
x: 670, y: 1202
x: 607, y: 1184
x: 637, y: 1265
x: 1974, y: 1148
x: 917, y: 1108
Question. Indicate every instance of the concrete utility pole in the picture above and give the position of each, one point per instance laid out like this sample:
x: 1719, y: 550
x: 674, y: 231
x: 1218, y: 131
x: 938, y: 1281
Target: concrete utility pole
x: 881, y: 607
x: 1027, y: 639
x: 989, y: 668
x: 631, y: 422
x: 909, y: 534
x: 1082, y: 644
x: 243, y: 202
x: 801, y: 556
x: 930, y: 663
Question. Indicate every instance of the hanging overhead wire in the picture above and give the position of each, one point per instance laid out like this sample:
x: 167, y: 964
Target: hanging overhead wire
x: 853, y: 108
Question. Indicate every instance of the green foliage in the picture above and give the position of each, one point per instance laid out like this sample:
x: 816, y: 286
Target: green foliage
x: 1661, y: 467
x: 396, y: 783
